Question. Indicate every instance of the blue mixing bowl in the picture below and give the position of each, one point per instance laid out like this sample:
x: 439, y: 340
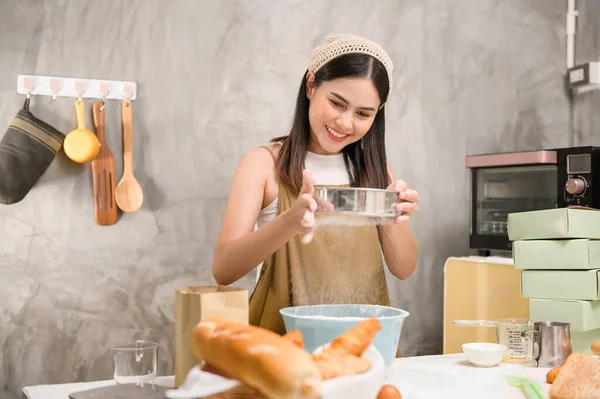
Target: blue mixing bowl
x: 320, y: 324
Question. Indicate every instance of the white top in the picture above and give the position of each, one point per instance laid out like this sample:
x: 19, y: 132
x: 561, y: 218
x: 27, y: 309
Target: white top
x: 325, y: 170
x: 420, y: 377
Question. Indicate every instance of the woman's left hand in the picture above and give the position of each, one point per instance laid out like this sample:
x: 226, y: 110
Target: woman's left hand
x: 408, y: 201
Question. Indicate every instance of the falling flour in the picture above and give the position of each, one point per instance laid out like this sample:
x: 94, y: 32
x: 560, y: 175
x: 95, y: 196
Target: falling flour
x: 362, y: 312
x: 348, y: 318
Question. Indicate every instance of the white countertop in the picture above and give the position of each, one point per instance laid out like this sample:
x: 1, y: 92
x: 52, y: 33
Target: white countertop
x: 422, y: 377
x: 453, y: 376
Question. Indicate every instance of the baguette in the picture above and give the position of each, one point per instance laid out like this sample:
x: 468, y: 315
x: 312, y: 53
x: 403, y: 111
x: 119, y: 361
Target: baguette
x: 354, y: 341
x: 258, y: 358
x: 341, y: 365
x: 344, y: 355
x: 578, y: 378
x: 239, y: 392
x: 357, y: 339
x: 296, y: 337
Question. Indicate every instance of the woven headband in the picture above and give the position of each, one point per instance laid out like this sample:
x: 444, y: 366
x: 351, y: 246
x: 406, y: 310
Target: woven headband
x: 336, y: 45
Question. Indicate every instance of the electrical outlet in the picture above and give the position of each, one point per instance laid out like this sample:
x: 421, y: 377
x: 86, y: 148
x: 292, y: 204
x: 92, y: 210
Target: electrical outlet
x: 584, y: 77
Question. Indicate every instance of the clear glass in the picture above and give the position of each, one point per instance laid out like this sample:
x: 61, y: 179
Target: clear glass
x: 509, y: 333
x: 135, y: 362
x: 505, y: 190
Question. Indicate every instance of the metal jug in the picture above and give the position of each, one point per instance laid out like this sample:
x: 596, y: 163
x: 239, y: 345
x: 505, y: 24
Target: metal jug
x: 550, y: 343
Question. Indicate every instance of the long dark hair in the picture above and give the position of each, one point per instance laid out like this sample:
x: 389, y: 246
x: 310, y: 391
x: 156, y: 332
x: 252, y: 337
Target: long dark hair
x: 365, y: 159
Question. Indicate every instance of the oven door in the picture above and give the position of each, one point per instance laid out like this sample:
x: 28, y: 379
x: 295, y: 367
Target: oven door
x: 503, y: 189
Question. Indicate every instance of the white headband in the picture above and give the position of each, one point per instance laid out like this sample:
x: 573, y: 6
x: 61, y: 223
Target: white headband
x: 336, y: 45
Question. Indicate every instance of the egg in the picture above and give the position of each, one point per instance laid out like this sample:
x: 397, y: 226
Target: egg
x: 389, y: 391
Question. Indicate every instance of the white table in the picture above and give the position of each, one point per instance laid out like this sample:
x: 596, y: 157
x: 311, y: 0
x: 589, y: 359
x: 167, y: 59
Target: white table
x: 422, y: 377
x: 453, y: 376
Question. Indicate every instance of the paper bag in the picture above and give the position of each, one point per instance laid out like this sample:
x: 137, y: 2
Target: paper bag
x: 194, y: 304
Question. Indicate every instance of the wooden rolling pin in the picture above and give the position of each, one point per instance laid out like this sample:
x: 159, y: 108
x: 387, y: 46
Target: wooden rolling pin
x: 596, y: 348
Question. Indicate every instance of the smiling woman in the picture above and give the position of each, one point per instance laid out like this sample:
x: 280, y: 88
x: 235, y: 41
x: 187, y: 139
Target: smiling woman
x: 337, y: 138
x: 344, y: 101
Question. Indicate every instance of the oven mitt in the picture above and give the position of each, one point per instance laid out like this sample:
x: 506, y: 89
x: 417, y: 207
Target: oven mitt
x: 26, y: 150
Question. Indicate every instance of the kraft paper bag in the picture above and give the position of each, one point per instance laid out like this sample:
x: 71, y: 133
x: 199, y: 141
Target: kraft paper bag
x: 193, y: 305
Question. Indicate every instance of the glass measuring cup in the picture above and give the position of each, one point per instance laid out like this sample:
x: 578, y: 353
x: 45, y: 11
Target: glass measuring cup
x: 508, y: 333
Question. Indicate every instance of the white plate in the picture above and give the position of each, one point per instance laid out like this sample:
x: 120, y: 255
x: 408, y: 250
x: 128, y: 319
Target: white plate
x: 200, y: 383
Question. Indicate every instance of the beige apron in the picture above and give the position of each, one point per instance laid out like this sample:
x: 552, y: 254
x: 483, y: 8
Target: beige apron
x: 342, y: 264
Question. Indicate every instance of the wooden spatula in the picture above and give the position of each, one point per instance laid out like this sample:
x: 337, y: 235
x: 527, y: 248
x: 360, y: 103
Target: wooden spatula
x: 129, y: 192
x: 103, y: 174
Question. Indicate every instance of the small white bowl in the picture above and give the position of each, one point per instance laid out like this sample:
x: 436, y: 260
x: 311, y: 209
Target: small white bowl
x: 484, y: 354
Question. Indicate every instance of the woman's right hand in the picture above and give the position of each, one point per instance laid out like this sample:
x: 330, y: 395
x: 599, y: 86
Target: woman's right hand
x: 302, y: 212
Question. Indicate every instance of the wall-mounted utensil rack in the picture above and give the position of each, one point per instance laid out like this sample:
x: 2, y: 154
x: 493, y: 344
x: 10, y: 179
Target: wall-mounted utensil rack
x: 56, y: 86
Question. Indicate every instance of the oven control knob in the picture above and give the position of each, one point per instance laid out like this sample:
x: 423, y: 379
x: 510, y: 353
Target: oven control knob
x: 575, y: 186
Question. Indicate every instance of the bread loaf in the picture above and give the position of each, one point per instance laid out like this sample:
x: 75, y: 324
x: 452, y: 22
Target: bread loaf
x: 578, y: 378
x: 258, y: 358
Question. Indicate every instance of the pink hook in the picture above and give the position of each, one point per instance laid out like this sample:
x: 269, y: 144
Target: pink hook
x: 127, y: 91
x: 103, y: 91
x: 54, y: 87
x: 79, y: 88
x: 28, y: 85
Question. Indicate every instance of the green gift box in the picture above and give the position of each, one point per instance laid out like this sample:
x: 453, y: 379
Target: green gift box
x: 561, y: 284
x: 583, y: 315
x: 552, y: 224
x: 581, y: 342
x: 577, y: 254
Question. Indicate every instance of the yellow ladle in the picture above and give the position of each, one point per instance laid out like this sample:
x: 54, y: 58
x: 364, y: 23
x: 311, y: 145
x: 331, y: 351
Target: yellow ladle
x: 81, y: 145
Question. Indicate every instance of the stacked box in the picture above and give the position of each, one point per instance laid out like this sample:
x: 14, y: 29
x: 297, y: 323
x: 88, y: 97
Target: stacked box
x: 558, y: 253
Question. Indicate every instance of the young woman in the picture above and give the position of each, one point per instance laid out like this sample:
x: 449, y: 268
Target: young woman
x: 337, y: 139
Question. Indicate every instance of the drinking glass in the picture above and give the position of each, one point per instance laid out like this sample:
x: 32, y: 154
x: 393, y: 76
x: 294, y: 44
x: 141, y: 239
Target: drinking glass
x: 135, y: 362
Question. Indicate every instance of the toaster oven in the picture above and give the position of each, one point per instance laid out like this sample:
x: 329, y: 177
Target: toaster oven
x: 503, y: 183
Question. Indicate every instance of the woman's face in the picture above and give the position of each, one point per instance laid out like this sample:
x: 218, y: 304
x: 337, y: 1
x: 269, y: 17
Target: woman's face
x: 341, y: 112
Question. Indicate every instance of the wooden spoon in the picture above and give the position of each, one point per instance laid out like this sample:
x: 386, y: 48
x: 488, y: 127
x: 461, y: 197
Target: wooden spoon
x: 129, y: 192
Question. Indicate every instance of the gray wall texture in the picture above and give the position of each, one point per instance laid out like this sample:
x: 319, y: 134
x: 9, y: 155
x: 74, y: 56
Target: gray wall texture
x: 216, y: 78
